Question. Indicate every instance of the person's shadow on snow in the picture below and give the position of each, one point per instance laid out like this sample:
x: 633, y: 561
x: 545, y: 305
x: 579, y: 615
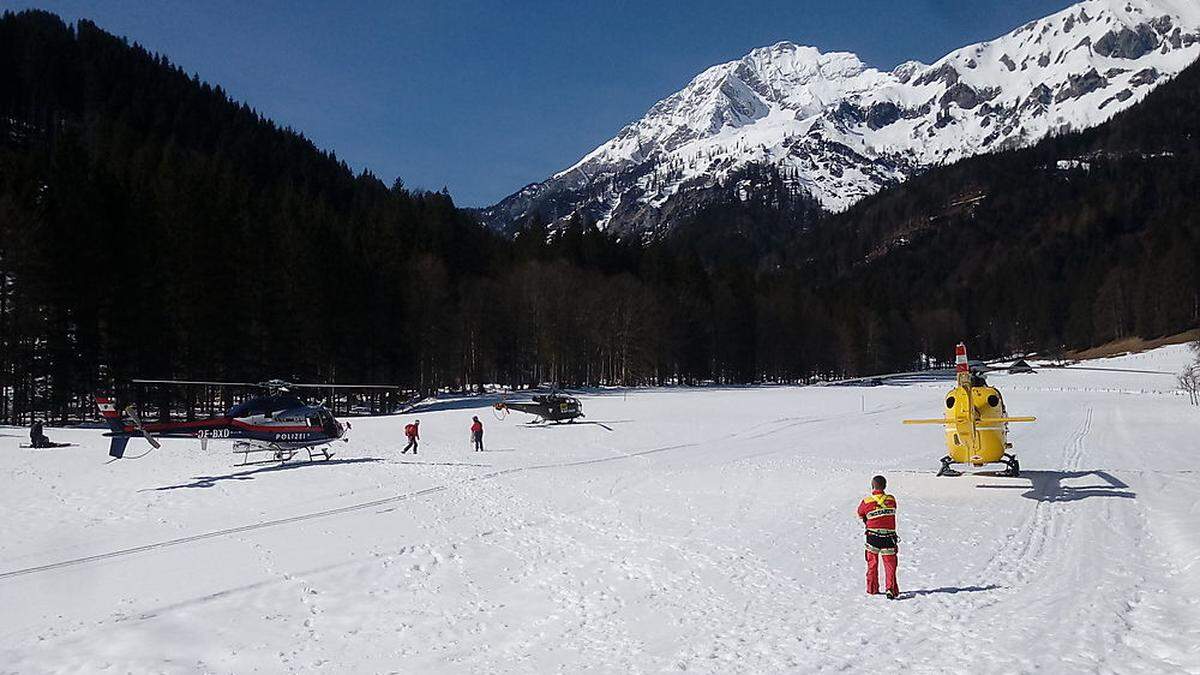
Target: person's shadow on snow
x: 948, y: 590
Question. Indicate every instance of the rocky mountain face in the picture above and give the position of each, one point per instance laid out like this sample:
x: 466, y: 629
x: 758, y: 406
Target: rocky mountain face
x: 839, y: 130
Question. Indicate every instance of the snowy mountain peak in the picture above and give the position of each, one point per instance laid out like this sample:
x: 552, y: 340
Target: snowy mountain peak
x: 842, y: 130
x: 905, y: 71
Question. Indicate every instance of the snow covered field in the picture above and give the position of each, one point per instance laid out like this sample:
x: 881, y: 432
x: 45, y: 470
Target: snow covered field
x: 710, y: 530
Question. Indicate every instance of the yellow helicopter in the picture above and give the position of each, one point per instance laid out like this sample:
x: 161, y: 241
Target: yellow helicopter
x: 976, y: 422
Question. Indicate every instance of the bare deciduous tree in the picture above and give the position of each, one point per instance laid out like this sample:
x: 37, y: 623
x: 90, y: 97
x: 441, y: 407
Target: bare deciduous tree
x: 1189, y: 379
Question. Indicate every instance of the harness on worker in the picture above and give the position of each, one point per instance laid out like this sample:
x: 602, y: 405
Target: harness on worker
x: 881, y: 541
x: 881, y: 509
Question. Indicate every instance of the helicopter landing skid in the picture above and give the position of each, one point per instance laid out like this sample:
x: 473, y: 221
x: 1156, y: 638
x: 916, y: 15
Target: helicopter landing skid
x: 253, y: 454
x: 1013, y: 469
x: 946, y: 470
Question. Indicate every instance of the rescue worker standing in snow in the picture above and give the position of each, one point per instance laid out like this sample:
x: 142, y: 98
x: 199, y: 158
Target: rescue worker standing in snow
x: 413, y: 433
x: 878, y: 513
x: 477, y: 433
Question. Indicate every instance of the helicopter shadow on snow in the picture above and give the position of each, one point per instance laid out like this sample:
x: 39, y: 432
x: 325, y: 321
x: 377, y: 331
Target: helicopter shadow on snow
x: 1047, y: 486
x: 250, y: 474
x: 571, y: 425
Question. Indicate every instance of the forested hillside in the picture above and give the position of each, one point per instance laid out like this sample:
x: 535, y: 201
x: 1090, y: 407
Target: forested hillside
x: 152, y: 227
x: 1079, y: 240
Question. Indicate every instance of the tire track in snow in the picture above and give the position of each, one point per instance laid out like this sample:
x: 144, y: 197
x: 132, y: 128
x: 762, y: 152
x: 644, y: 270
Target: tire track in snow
x: 1014, y: 564
x: 1026, y: 546
x: 350, y: 508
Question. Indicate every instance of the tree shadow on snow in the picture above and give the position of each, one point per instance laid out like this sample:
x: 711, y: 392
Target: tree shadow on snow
x: 1047, y: 486
x: 249, y: 474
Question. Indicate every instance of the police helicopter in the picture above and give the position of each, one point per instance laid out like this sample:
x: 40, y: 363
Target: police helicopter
x: 552, y: 407
x: 264, y: 429
x: 975, y: 419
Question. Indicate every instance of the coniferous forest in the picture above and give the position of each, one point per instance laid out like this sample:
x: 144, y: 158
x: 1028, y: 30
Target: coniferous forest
x: 152, y: 227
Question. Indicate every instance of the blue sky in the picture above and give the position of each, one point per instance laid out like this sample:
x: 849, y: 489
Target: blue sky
x: 484, y: 97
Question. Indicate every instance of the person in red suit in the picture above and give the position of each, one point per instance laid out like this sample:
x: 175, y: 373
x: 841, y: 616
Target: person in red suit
x: 413, y: 433
x: 477, y: 434
x: 878, y: 513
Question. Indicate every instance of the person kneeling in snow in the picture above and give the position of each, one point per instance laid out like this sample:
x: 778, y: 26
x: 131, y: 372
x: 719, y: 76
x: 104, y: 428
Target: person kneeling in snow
x: 37, y: 437
x: 878, y: 512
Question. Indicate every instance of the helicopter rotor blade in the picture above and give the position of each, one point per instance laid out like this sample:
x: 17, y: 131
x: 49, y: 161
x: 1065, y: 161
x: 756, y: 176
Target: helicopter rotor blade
x: 1031, y: 361
x: 198, y: 383
x: 888, y: 376
x: 271, y: 384
x: 340, y: 386
x: 1108, y: 370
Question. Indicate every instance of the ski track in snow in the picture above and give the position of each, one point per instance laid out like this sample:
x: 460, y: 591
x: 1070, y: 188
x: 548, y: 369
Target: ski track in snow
x: 713, y: 533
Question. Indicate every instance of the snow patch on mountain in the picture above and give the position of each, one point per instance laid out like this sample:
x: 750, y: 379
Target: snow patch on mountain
x: 841, y: 130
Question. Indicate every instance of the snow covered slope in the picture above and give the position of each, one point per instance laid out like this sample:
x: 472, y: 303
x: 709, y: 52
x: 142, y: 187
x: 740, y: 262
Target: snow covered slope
x: 841, y: 130
x: 710, y: 531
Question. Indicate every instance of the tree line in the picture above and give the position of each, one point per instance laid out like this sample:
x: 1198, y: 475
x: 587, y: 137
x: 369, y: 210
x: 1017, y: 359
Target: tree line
x: 152, y: 227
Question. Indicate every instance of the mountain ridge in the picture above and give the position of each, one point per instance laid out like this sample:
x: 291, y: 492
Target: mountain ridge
x: 841, y: 130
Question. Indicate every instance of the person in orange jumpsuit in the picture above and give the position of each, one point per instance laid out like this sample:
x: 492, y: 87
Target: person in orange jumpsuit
x: 878, y: 513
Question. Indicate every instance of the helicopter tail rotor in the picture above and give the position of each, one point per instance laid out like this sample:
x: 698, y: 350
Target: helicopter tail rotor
x: 131, y: 413
x: 108, y: 410
x: 500, y: 410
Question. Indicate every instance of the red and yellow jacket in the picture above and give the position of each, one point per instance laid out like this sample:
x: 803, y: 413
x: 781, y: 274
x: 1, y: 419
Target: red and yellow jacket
x: 878, y: 511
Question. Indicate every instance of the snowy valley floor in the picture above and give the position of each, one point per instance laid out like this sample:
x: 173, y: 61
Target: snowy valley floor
x: 711, y: 530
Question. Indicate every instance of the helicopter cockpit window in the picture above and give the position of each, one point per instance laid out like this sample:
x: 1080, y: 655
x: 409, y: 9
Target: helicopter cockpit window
x: 993, y: 400
x: 949, y: 401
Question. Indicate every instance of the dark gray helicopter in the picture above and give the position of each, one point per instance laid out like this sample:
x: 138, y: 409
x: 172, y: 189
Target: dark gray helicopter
x: 552, y: 407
